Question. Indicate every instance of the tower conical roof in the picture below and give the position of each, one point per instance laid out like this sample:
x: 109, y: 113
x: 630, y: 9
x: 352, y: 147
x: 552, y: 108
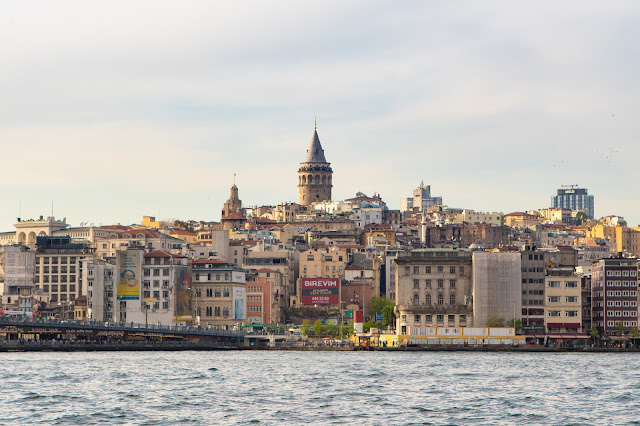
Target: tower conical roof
x: 315, y: 153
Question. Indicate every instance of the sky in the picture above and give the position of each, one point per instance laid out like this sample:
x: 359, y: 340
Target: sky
x: 111, y: 110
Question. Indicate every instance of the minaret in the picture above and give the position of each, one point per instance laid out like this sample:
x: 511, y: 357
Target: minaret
x: 314, y: 174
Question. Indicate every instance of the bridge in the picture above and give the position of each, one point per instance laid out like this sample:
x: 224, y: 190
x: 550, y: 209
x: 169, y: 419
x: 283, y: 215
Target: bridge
x: 83, y: 332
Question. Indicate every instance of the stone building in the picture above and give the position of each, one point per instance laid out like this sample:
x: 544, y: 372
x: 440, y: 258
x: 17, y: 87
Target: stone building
x: 314, y: 174
x: 433, y: 288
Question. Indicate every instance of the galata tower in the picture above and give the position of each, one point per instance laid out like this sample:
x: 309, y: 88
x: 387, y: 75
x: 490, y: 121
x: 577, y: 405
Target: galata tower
x: 314, y: 174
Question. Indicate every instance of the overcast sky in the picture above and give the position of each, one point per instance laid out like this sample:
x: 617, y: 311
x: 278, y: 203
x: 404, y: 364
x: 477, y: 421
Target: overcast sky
x: 118, y: 109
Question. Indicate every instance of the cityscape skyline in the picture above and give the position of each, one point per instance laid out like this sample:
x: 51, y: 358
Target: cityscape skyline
x: 156, y: 117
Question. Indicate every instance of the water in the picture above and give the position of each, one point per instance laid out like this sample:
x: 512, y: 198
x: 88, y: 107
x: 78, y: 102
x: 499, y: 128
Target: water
x: 319, y: 388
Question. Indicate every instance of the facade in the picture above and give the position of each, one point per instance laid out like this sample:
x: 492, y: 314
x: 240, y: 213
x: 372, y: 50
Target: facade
x: 614, y: 295
x: 17, y: 267
x: 58, y: 270
x: 497, y: 287
x: 28, y: 230
x: 533, y: 266
x: 421, y: 199
x: 99, y: 289
x: 470, y: 216
x: 433, y: 288
x: 219, y: 290
x: 563, y: 296
x: 573, y: 198
x: 314, y: 175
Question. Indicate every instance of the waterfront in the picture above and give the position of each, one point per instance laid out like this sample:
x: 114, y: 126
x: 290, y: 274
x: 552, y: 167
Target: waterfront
x: 274, y: 387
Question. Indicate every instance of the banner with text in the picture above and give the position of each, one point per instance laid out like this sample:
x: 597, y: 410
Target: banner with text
x: 320, y: 291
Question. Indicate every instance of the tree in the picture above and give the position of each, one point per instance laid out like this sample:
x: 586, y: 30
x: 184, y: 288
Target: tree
x: 581, y: 217
x: 367, y: 326
x: 388, y: 316
x: 634, y: 332
x: 305, y: 328
x: 594, y: 332
x: 331, y: 330
x: 515, y: 323
x: 318, y: 328
x: 619, y: 329
x: 493, y: 322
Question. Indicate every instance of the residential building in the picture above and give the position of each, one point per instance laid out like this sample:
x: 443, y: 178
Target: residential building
x: 219, y: 290
x: 58, y: 271
x: 99, y: 289
x: 614, y: 295
x: 563, y: 297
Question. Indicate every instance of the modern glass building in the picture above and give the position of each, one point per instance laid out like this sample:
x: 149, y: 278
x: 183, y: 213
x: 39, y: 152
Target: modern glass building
x: 574, y: 198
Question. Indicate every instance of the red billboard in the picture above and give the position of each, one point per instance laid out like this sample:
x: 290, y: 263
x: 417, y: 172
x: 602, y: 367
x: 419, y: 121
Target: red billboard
x: 320, y: 291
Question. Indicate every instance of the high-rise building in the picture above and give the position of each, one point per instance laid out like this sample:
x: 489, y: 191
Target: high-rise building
x: 574, y: 198
x: 314, y: 174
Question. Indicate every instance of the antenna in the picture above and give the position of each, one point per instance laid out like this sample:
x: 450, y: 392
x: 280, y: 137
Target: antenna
x: 51, y: 209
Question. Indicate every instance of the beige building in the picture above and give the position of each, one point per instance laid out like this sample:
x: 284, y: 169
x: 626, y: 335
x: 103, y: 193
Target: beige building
x: 563, y: 297
x: 433, y: 288
x: 219, y: 293
x: 28, y: 230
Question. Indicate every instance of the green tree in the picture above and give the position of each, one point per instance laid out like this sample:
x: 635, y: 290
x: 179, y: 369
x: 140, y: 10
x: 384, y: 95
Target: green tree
x: 388, y: 316
x: 581, y: 217
x: 593, y: 332
x: 318, y: 328
x: 634, y: 332
x: 515, y: 323
x: 331, y: 330
x: 495, y: 322
x: 351, y: 329
x: 305, y: 328
x: 619, y: 329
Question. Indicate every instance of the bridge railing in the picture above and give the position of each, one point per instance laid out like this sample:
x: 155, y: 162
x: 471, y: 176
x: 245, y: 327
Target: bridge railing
x: 117, y: 326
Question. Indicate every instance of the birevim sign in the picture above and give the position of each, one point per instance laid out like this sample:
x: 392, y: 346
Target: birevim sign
x: 320, y: 291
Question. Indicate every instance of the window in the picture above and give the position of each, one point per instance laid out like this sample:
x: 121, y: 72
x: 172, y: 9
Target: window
x: 452, y: 283
x: 554, y: 299
x: 440, y: 318
x: 451, y: 319
x: 440, y: 299
x: 463, y: 318
x: 217, y: 311
x: 554, y: 313
x: 428, y: 283
x: 416, y: 269
x: 165, y: 272
x: 208, y: 311
x: 225, y: 312
x: 416, y: 318
x: 571, y: 313
x: 554, y: 284
x: 427, y: 269
x: 428, y: 299
x: 440, y: 269
x: 571, y: 299
x: 416, y: 284
x: 572, y: 284
x: 452, y: 299
x: 440, y: 283
x: 452, y: 269
x: 416, y: 299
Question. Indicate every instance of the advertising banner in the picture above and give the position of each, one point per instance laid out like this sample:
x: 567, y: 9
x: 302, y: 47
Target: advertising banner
x: 320, y: 291
x: 183, y: 292
x: 238, y: 303
x: 129, y: 267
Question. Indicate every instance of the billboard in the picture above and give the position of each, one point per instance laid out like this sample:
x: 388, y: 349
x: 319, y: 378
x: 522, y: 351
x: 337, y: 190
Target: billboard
x: 238, y: 303
x: 182, y: 290
x: 320, y: 291
x: 129, y: 267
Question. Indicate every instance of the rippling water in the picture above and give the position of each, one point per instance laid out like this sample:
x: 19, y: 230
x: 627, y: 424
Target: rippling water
x: 319, y: 388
